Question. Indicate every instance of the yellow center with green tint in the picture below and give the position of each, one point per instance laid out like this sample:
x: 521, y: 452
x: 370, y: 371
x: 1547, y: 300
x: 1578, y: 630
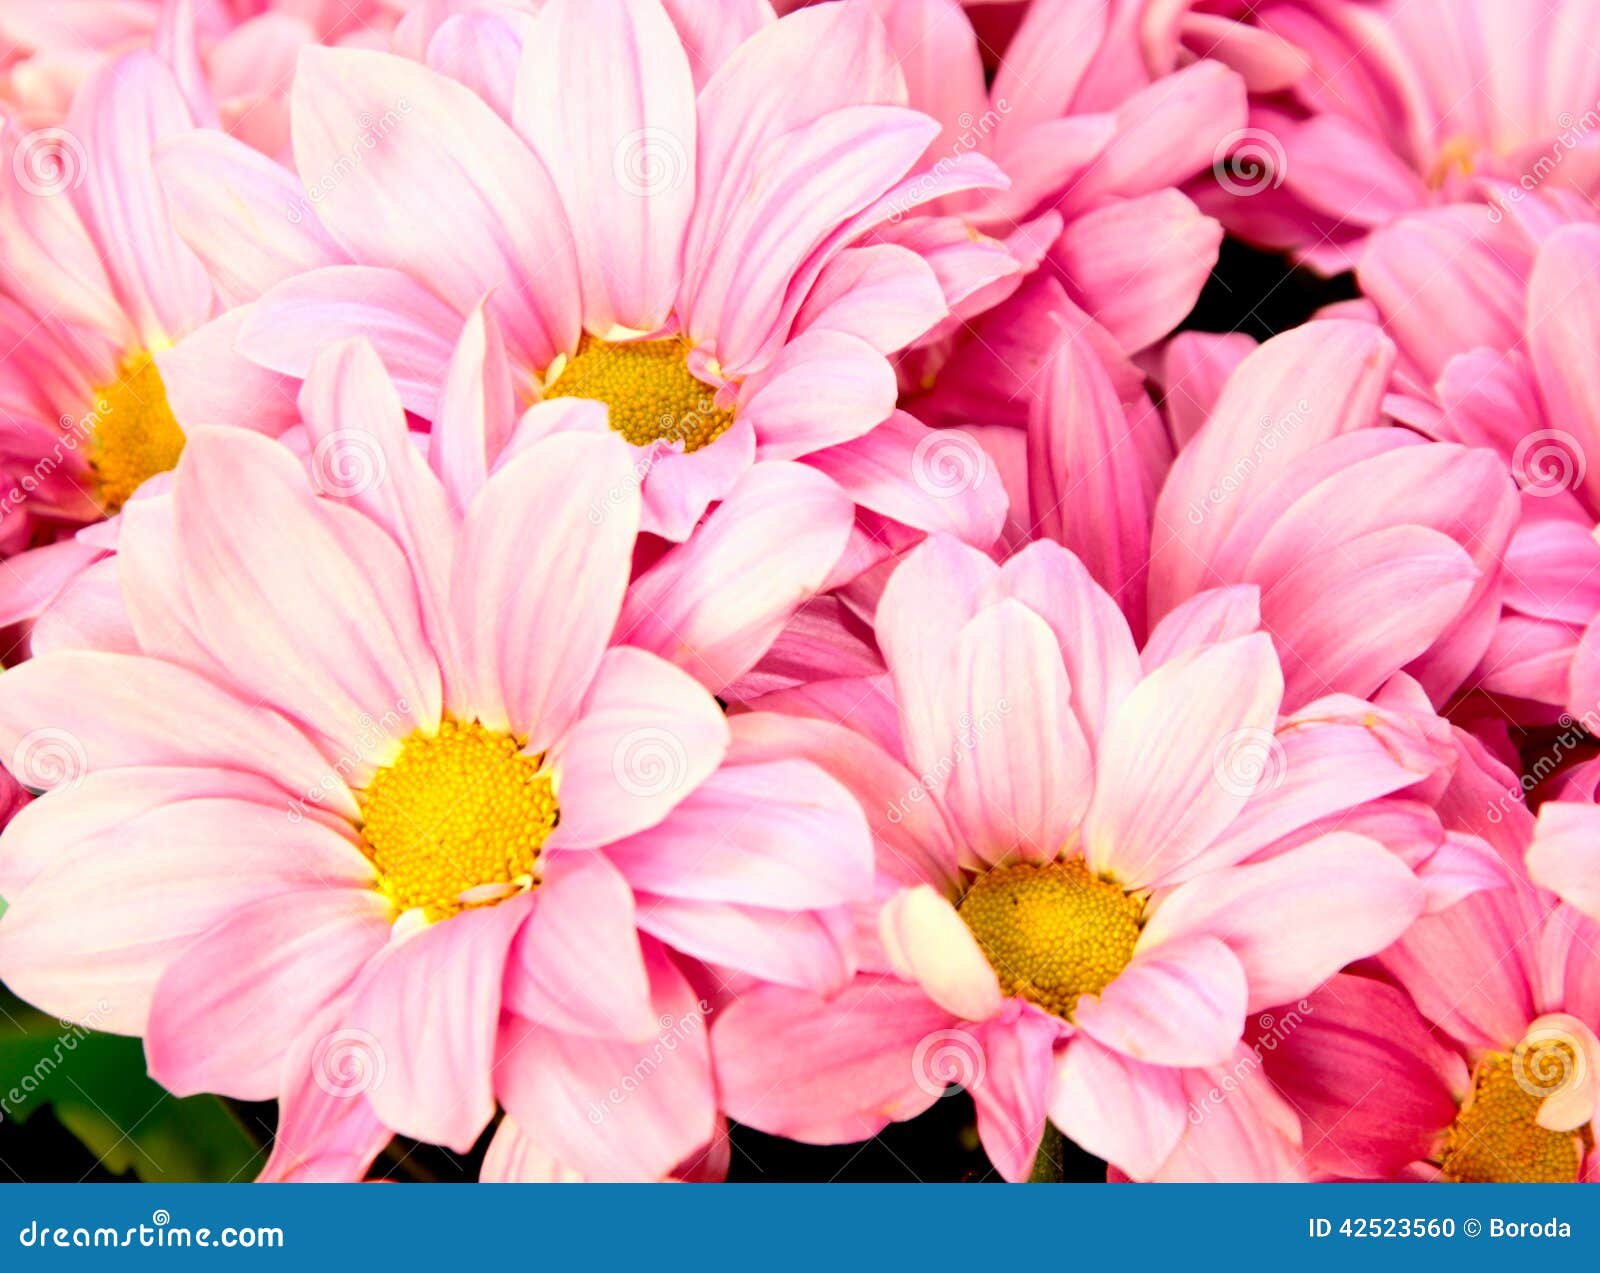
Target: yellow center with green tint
x: 1496, y: 1138
x: 648, y: 387
x: 458, y: 819
x: 134, y: 433
x: 1053, y: 932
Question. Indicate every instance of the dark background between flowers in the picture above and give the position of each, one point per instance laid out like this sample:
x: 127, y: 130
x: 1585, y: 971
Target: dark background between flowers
x: 92, y: 1113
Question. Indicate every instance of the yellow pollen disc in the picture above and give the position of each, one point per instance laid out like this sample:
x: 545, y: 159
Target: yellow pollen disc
x: 1459, y: 154
x: 460, y: 812
x: 135, y: 435
x: 1054, y: 932
x: 1495, y: 1138
x: 647, y: 384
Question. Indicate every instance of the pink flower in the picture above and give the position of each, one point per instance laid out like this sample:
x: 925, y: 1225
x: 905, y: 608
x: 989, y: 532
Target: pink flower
x: 1105, y: 865
x: 1494, y: 317
x: 1470, y: 1052
x: 1295, y: 485
x: 234, y: 58
x: 376, y: 814
x: 697, y: 260
x: 1095, y: 148
x: 98, y: 288
x: 1362, y: 112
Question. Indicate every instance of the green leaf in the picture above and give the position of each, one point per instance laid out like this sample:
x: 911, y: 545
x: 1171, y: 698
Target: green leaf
x: 98, y: 1087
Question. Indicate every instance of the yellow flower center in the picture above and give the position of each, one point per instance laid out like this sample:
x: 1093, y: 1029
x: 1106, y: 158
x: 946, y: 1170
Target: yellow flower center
x: 651, y: 393
x: 1053, y: 932
x: 457, y: 819
x: 1459, y: 154
x: 1496, y: 1138
x: 135, y: 435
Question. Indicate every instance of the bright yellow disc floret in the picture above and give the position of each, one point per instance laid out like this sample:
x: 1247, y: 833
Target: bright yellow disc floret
x: 1052, y: 932
x: 134, y: 434
x: 1496, y: 1138
x: 459, y: 812
x: 649, y: 389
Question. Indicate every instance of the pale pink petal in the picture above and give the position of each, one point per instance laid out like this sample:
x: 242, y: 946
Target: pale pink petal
x: 619, y: 139
x: 226, y: 1011
x: 779, y: 833
x: 927, y: 942
x: 1295, y: 920
x: 586, y: 1102
x: 811, y: 950
x: 713, y: 605
x: 825, y: 387
x: 444, y: 188
x: 210, y: 383
x: 127, y: 109
x: 215, y: 728
x: 1565, y: 854
x: 1217, y: 614
x: 831, y: 1071
x: 576, y: 966
x: 141, y: 891
x: 341, y: 603
x: 327, y: 1130
x: 1172, y: 737
x: 882, y: 293
x: 1181, y: 1004
x: 431, y: 1005
x: 243, y: 215
x: 645, y: 737
x: 477, y: 412
x: 1563, y: 313
x: 1138, y: 264
x: 1012, y: 1094
x: 411, y: 328
x: 1129, y: 1113
x: 1021, y: 773
x: 533, y: 615
x: 514, y: 1157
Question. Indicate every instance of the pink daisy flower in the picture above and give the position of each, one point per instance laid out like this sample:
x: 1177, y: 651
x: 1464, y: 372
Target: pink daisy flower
x: 97, y: 290
x: 1095, y: 148
x: 1364, y: 110
x: 1469, y: 1053
x: 234, y: 58
x: 698, y: 260
x: 375, y: 814
x: 1495, y: 318
x: 1092, y: 867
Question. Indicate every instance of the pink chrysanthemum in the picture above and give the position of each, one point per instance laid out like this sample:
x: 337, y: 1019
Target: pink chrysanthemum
x: 1104, y: 866
x: 701, y: 261
x: 1469, y: 1052
x: 1365, y: 110
x: 373, y: 812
